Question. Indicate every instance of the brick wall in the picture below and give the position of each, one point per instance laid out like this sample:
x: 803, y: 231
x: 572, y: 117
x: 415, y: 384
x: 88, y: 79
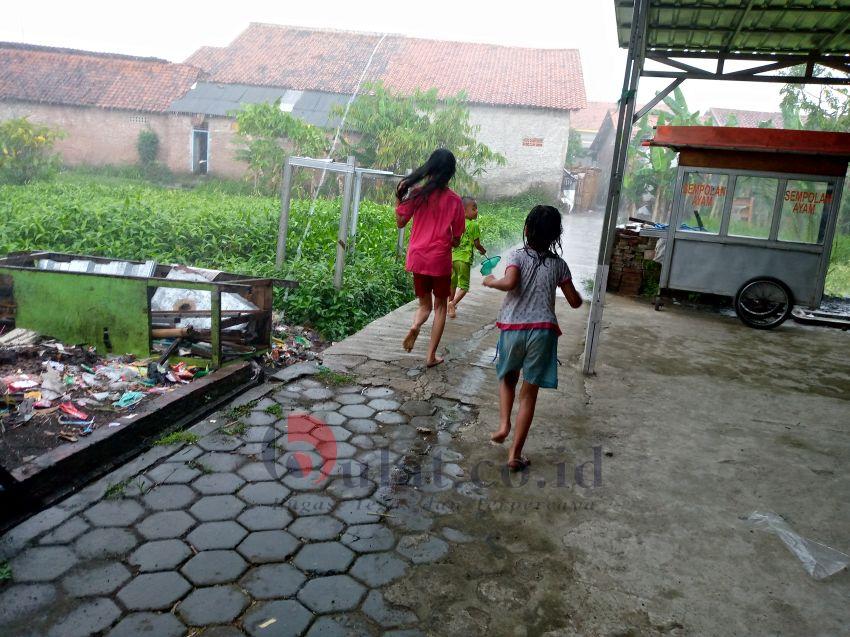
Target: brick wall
x: 534, y: 142
x: 98, y: 137
x: 631, y: 262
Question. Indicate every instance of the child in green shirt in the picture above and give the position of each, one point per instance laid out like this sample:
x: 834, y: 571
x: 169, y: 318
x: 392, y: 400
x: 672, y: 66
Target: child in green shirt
x: 462, y: 255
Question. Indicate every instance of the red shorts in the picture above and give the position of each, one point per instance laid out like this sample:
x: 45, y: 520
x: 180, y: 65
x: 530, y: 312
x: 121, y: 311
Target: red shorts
x: 424, y: 285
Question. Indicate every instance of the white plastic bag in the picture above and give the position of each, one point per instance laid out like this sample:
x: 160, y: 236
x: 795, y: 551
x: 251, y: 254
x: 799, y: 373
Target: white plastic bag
x: 819, y: 560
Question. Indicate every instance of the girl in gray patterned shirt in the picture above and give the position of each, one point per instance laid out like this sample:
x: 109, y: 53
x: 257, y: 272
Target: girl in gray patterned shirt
x: 529, y: 328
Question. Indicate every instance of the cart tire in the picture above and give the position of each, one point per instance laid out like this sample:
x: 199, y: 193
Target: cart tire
x: 764, y: 303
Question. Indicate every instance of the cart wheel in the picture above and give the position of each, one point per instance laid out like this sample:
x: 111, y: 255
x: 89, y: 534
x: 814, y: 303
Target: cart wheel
x: 764, y: 303
x: 659, y: 303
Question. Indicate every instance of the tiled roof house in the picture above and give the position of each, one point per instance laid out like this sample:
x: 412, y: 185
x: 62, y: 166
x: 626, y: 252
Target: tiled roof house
x: 100, y: 100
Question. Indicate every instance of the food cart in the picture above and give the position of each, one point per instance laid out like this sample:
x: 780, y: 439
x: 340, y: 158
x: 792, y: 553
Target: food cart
x: 753, y: 216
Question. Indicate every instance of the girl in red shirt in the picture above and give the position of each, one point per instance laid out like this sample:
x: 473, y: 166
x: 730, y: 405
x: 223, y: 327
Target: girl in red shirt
x: 438, y: 223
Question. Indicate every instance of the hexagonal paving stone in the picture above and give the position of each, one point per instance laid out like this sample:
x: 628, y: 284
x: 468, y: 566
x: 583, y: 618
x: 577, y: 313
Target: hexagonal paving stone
x: 218, y: 483
x: 214, y: 567
x: 101, y: 579
x: 378, y: 569
x: 351, y: 399
x: 310, y: 481
x: 310, y: 504
x: 114, y: 513
x: 219, y: 442
x: 369, y: 538
x: 161, y: 555
x: 300, y: 443
x: 219, y: 462
x: 169, y: 497
x: 66, y: 532
x: 295, y: 461
x: 23, y: 600
x: 216, y: 535
x: 425, y: 422
x: 213, y: 605
x: 265, y: 518
x: 329, y: 418
x: 356, y: 411
x: 101, y: 543
x: 363, y: 441
x: 223, y: 631
x: 217, y: 507
x: 333, y: 593
x: 153, y: 591
x: 387, y: 616
x: 423, y: 548
x: 290, y: 619
x: 319, y: 527
x: 359, y: 511
x: 43, y: 563
x: 151, y: 624
x: 328, y: 405
x: 172, y: 473
x: 351, y: 488
x: 166, y: 525
x: 89, y: 618
x: 324, y: 558
x: 263, y: 434
x: 317, y: 393
x: 264, y: 493
x: 384, y: 404
x: 272, y: 581
x: 336, y: 450
x: 418, y: 408
x: 362, y: 426
x: 411, y: 518
x: 379, y: 458
x: 335, y: 432
x: 339, y: 626
x: 390, y: 418
x: 262, y: 471
x: 268, y: 546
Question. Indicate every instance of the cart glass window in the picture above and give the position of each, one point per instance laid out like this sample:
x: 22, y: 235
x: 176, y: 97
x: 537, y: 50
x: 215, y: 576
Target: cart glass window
x: 804, y: 211
x: 703, y: 196
x: 752, y: 207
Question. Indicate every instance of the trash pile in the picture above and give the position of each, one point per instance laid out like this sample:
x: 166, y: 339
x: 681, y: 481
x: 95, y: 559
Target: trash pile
x: 43, y: 380
x: 292, y: 344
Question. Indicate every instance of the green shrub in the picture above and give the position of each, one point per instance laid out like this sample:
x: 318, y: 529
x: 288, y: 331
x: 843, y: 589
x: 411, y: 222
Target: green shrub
x: 148, y: 147
x: 25, y: 151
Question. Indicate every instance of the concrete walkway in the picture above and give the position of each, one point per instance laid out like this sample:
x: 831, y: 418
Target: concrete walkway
x: 627, y: 523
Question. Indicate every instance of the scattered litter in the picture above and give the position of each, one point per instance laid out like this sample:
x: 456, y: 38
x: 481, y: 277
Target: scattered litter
x: 819, y: 560
x: 114, y: 424
x: 267, y: 623
x: 425, y: 431
x: 129, y: 399
x: 292, y: 344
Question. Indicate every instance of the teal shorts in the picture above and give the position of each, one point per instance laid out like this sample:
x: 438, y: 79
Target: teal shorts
x: 534, y: 351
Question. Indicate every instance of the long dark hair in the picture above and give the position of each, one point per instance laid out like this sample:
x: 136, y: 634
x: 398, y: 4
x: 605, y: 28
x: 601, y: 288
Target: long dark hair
x: 438, y: 171
x: 543, y: 233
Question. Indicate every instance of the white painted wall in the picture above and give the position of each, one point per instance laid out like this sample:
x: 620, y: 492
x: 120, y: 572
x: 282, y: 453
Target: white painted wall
x: 503, y: 129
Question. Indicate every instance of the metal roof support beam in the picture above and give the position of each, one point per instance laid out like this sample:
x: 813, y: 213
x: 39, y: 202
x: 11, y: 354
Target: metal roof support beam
x: 658, y: 97
x: 663, y: 59
x: 631, y: 78
x: 781, y: 79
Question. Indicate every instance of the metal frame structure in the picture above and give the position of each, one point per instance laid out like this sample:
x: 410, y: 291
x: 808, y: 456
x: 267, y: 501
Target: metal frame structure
x: 780, y: 34
x: 352, y: 189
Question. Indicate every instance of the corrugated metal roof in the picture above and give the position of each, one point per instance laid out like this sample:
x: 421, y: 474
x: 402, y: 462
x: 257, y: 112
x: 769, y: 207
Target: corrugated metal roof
x: 781, y: 27
x: 210, y: 98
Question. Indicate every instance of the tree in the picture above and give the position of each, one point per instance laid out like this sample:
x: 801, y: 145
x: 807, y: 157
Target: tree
x: 820, y: 107
x: 25, y: 151
x: 270, y: 135
x: 395, y: 132
x: 148, y: 147
x: 575, y: 151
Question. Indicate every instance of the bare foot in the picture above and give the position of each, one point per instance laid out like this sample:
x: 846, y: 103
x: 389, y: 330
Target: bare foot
x: 519, y: 464
x: 410, y: 339
x: 500, y: 436
x: 433, y: 362
x: 452, y: 310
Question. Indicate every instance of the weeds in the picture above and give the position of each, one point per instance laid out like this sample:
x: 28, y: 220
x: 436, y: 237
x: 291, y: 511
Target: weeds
x: 178, y: 438
x: 5, y: 571
x: 199, y: 466
x: 330, y: 377
x: 235, y: 413
x: 234, y: 429
x: 117, y: 490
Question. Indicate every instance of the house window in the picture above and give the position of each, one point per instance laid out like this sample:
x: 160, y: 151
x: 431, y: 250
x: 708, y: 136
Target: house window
x: 138, y: 119
x: 534, y: 142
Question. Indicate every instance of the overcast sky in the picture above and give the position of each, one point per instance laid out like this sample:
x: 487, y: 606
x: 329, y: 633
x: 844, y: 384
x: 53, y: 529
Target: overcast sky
x: 174, y: 29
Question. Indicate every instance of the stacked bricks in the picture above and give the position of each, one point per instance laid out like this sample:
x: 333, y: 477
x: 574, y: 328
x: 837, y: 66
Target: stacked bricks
x: 630, y: 261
